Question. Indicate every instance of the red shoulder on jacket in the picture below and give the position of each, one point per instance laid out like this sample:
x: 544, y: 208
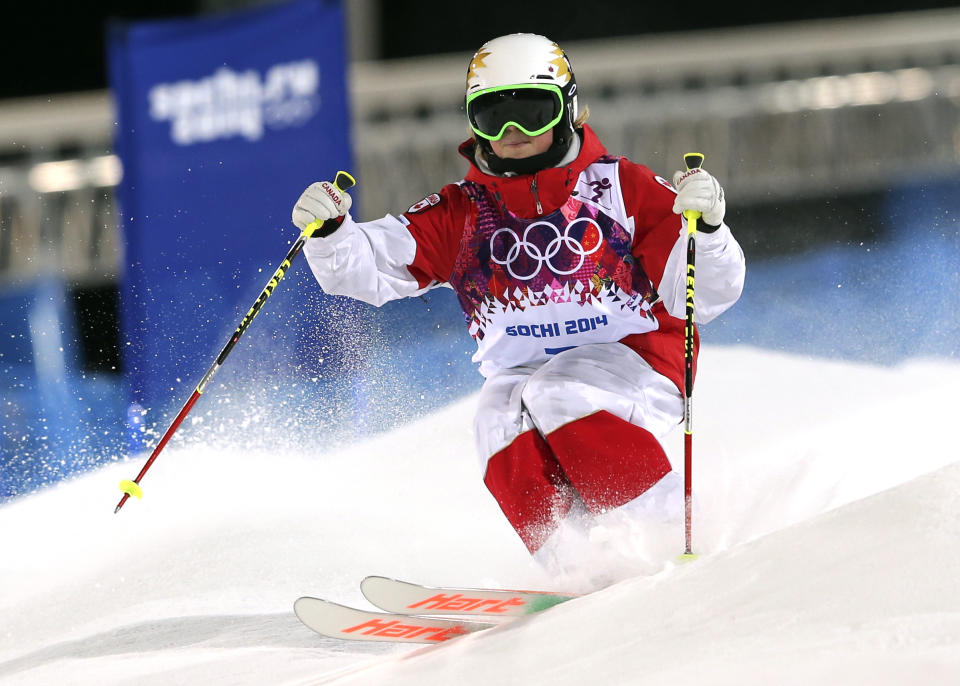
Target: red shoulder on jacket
x: 654, y: 194
x: 649, y: 198
x: 436, y: 223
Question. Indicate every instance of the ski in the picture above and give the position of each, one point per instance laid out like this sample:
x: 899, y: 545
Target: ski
x: 405, y: 598
x: 411, y: 611
x: 339, y: 621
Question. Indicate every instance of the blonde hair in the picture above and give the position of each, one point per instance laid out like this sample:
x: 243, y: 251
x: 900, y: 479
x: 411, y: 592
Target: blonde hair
x: 582, y: 117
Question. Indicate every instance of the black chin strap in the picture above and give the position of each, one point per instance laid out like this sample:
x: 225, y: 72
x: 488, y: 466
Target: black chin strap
x: 527, y: 165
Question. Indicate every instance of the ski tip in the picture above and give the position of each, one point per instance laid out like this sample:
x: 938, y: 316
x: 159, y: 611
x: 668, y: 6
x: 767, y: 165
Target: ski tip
x: 303, y: 605
x: 373, y: 580
x: 299, y: 602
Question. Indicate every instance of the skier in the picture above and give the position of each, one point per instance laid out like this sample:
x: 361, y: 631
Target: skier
x: 569, y: 264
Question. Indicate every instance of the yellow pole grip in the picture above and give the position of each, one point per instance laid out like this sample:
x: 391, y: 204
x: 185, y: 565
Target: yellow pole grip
x: 342, y: 182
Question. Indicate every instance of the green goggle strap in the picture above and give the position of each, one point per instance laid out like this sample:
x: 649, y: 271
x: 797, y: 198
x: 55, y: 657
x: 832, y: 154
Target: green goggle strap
x: 538, y: 86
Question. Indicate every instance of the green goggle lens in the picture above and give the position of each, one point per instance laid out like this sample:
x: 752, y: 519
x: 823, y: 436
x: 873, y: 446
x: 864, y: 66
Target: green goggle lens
x: 532, y: 108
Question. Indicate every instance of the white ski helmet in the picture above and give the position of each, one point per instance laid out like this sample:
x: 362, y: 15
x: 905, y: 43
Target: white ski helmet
x: 524, y: 80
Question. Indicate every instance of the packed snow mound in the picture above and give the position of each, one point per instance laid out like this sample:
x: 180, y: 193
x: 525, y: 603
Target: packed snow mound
x: 868, y: 593
x: 196, y: 582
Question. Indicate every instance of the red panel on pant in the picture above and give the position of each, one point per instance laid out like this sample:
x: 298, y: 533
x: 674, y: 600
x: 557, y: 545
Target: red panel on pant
x: 608, y: 460
x: 530, y: 487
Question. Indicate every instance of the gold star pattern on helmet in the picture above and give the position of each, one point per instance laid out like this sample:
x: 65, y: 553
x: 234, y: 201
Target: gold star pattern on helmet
x: 475, y: 64
x: 563, y: 67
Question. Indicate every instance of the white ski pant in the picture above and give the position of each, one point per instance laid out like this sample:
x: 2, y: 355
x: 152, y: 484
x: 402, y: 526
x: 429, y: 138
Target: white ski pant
x: 584, y: 426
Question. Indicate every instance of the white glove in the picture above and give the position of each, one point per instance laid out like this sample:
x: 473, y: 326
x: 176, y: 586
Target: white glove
x: 320, y: 202
x: 697, y: 190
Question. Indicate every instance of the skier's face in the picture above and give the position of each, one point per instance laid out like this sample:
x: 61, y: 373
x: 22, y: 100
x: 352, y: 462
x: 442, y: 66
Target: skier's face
x: 516, y: 145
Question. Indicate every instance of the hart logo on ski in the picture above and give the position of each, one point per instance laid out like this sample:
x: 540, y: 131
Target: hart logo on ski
x: 396, y: 629
x: 401, y: 597
x: 410, y: 610
x: 462, y: 603
x: 338, y: 621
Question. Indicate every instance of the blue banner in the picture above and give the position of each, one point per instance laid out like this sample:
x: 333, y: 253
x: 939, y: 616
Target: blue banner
x: 222, y: 121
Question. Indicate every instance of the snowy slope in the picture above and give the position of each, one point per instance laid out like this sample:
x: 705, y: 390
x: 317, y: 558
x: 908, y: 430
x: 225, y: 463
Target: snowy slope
x: 195, y: 583
x: 868, y: 593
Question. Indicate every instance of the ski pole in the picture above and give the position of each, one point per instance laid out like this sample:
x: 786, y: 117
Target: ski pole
x: 692, y: 160
x: 342, y: 182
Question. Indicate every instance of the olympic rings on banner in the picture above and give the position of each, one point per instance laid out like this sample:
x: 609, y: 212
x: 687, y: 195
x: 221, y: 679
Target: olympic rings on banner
x: 533, y: 252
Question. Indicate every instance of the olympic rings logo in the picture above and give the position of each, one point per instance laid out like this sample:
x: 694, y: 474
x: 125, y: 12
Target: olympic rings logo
x: 511, y: 247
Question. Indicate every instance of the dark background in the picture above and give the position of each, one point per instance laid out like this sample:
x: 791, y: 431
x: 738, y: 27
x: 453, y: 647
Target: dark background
x: 52, y: 47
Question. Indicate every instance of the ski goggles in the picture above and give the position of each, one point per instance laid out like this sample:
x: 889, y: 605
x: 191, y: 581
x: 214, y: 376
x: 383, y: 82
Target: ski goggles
x: 534, y: 108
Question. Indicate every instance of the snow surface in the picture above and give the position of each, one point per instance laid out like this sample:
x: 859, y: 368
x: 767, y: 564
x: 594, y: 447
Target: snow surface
x: 827, y: 511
